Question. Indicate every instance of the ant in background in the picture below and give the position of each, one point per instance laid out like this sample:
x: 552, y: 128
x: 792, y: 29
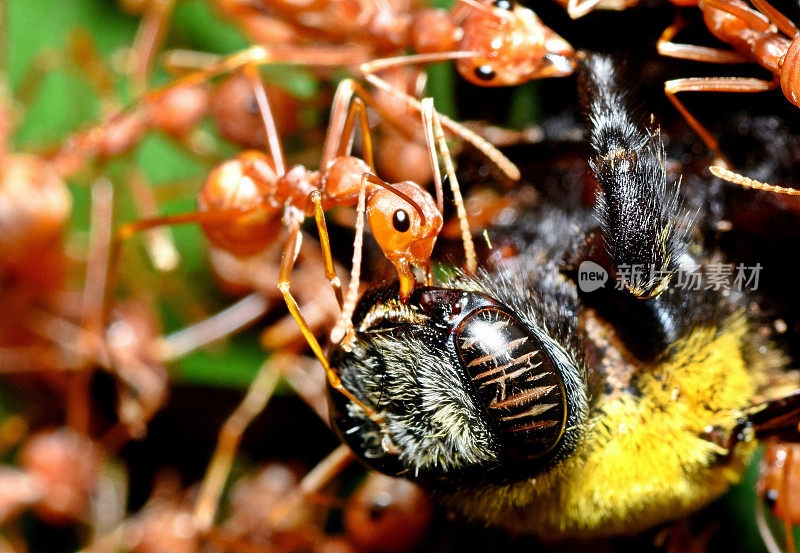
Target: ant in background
x: 494, y: 44
x: 763, y: 36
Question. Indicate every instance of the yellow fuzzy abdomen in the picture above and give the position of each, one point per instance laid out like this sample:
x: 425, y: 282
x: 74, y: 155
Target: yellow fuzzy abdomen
x: 645, y: 457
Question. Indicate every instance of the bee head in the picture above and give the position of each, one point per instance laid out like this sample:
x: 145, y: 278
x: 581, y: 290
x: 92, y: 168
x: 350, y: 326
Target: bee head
x: 466, y: 387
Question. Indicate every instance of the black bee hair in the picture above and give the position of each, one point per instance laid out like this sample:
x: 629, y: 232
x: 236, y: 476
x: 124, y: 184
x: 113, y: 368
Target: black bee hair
x: 640, y: 212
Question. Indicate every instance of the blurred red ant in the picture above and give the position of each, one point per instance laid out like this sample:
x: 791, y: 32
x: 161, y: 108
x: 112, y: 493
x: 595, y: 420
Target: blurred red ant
x: 779, y: 487
x: 494, y: 44
x: 764, y: 36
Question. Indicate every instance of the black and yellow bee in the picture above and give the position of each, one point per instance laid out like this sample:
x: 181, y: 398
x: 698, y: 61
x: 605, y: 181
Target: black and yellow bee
x: 528, y: 402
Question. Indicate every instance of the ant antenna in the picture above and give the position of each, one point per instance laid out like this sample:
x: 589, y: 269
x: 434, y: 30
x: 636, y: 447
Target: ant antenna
x: 747, y: 182
x: 777, y: 18
x: 275, y: 150
x: 433, y: 129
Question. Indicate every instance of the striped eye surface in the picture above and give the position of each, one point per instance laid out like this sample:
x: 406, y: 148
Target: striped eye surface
x: 515, y: 380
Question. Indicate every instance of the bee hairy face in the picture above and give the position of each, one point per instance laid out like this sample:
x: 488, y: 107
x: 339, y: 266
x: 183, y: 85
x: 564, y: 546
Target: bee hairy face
x: 469, y: 388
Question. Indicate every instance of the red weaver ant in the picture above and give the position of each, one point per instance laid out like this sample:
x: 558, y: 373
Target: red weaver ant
x: 244, y: 201
x: 764, y: 36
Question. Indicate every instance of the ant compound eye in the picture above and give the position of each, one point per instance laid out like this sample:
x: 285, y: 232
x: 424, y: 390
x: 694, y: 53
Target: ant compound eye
x: 515, y: 379
x: 401, y: 221
x: 484, y: 73
x: 503, y: 5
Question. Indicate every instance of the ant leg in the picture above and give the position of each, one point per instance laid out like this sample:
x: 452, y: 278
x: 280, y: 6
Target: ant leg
x: 275, y: 149
x: 100, y: 250
x: 765, y: 530
x: 160, y: 245
x: 666, y: 47
x: 179, y: 61
x: 481, y: 144
x: 284, y: 285
x: 126, y: 231
x: 757, y: 21
x: 348, y: 103
x: 89, y: 338
x: 343, y: 330
x: 304, y: 377
x: 229, y: 320
x: 433, y: 129
x: 149, y: 36
x: 325, y: 244
x: 320, y: 476
x: 741, y: 180
x: 382, y: 64
x: 230, y: 436
x: 777, y: 18
x: 262, y: 55
x: 87, y: 58
x: 578, y: 8
x: 711, y: 84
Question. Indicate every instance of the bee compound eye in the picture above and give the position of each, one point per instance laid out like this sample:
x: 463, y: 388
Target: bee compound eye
x: 503, y: 5
x: 520, y: 387
x: 484, y: 73
x: 401, y: 221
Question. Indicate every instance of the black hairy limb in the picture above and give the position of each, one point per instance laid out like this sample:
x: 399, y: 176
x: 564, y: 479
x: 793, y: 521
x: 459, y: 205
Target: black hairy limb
x: 644, y: 226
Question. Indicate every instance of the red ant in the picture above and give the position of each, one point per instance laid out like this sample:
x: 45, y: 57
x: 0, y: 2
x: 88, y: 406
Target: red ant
x: 244, y: 201
x: 765, y: 37
x: 494, y: 44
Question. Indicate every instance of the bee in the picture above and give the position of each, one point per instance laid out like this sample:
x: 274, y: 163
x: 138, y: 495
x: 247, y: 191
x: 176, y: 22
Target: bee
x: 525, y: 400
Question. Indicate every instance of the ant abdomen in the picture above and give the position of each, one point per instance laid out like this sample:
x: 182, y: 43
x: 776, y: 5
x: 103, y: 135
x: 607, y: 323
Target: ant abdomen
x: 244, y: 182
x: 235, y: 111
x: 179, y: 110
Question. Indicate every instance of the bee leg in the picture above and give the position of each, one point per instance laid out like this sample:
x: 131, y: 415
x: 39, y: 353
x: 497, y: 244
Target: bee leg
x: 644, y: 230
x: 644, y: 227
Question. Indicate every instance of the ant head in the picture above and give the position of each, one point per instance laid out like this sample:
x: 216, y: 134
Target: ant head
x: 512, y: 46
x: 405, y: 221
